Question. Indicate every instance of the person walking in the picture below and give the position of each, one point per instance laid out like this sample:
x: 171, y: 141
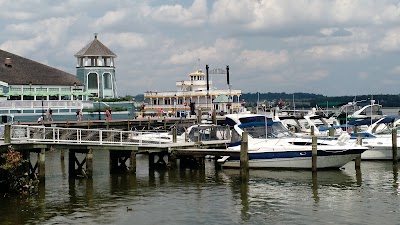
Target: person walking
x: 50, y: 114
x: 107, y: 114
x: 78, y: 115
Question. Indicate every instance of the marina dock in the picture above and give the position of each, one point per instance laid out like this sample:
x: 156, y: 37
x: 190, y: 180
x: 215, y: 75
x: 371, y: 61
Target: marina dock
x: 39, y: 139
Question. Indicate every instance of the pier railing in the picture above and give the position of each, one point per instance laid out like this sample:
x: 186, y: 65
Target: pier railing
x: 42, y: 134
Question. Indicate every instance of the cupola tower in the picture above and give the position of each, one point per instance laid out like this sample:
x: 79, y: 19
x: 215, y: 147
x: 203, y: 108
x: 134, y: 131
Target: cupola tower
x: 96, y: 69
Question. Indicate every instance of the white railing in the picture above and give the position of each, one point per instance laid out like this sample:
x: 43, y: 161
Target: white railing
x: 42, y: 134
x: 32, y: 104
x: 24, y: 133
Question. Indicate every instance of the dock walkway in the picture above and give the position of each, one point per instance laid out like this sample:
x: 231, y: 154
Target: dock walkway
x: 39, y: 139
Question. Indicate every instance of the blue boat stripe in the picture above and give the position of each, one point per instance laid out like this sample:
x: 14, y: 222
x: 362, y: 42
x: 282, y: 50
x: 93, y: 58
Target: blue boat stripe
x: 296, y: 154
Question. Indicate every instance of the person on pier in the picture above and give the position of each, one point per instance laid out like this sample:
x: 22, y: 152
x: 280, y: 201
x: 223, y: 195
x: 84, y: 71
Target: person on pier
x: 108, y: 114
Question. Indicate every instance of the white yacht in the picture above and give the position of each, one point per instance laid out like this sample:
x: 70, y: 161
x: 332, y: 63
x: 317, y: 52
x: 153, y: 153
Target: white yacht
x: 271, y: 145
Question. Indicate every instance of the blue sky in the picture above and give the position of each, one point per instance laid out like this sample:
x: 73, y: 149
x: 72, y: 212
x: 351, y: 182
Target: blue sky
x: 342, y: 47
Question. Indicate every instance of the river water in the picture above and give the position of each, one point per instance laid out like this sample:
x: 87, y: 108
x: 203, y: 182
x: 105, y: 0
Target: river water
x: 209, y: 196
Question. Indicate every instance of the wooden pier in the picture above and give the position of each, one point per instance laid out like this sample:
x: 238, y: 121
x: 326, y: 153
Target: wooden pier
x: 39, y: 139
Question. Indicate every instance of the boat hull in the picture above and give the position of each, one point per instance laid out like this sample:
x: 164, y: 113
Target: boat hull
x: 296, y: 160
x: 379, y: 153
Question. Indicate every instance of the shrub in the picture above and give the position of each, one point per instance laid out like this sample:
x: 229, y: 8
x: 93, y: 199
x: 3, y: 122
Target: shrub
x: 13, y: 178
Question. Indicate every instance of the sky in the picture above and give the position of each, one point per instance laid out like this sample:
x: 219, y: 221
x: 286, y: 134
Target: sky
x: 329, y: 47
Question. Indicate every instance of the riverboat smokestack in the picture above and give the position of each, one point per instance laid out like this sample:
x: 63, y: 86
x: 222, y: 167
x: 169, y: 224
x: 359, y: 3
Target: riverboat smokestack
x: 208, y: 85
x: 227, y: 75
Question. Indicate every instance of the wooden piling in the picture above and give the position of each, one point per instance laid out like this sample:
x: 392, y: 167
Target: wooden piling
x: 7, y: 134
x: 41, y: 164
x: 312, y: 130
x: 244, y: 157
x: 314, y: 153
x: 151, y: 161
x: 62, y: 154
x: 174, y: 133
x: 88, y: 124
x: 394, y: 146
x: 357, y: 161
x: 165, y: 124
x: 89, y: 163
x: 331, y: 131
x: 132, y: 163
x: 148, y: 124
x: 214, y: 117
x: 199, y: 116
x: 172, y: 161
x: 71, y: 163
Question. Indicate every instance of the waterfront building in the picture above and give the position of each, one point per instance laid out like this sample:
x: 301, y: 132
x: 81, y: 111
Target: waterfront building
x: 192, y: 95
x: 96, y: 70
x: 29, y: 88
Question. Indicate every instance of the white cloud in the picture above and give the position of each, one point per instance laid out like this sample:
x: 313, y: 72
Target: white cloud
x: 127, y: 40
x: 262, y: 59
x: 391, y: 40
x: 222, y: 48
x: 336, y: 52
x: 281, y: 41
x: 363, y: 75
x: 177, y: 14
x: 110, y: 18
x: 280, y: 14
x: 395, y: 70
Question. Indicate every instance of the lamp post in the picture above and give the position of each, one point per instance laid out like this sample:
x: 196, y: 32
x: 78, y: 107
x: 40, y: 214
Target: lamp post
x: 175, y: 106
x: 73, y: 96
x: 99, y: 109
x: 41, y: 88
x: 30, y: 88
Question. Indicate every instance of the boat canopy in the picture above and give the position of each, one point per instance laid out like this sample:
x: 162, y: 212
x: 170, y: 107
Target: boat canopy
x: 369, y: 121
x: 257, y: 124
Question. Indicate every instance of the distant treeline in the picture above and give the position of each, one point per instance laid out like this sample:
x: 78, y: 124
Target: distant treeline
x: 309, y: 99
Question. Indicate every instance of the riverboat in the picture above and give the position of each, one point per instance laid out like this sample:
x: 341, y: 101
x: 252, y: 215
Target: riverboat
x: 193, y: 95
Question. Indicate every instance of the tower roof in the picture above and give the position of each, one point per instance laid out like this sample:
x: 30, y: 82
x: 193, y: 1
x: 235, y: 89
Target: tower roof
x: 95, y: 48
x: 17, y: 70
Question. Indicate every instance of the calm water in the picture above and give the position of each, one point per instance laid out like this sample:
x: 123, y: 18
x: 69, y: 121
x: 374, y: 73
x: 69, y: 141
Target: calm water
x: 210, y: 197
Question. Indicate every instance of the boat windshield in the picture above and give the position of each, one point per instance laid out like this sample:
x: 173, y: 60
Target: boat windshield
x: 276, y: 130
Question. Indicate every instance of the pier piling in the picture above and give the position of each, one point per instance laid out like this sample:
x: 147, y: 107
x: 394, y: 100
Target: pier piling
x: 394, y: 146
x: 174, y: 133
x: 331, y: 132
x: 244, y: 157
x: 7, y: 134
x: 132, y: 163
x: 314, y: 152
x: 357, y: 161
x: 89, y: 163
x: 41, y: 164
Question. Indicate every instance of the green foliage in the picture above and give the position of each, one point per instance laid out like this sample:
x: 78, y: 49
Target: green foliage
x: 13, y: 179
x: 103, y: 109
x: 127, y: 98
x: 311, y: 100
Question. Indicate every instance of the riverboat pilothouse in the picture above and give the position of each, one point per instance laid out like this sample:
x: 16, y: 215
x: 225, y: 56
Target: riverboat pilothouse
x: 192, y: 95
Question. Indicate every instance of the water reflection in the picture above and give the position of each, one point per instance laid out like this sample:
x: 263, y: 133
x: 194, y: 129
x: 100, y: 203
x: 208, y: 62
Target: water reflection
x: 272, y: 190
x: 395, y: 178
x: 244, y: 200
x: 185, y: 196
x: 314, y: 186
